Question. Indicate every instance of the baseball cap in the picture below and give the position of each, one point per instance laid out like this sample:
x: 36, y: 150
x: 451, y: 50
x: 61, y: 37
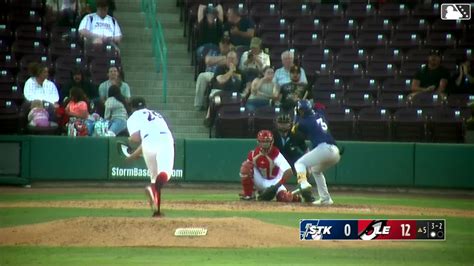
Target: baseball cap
x: 295, y: 69
x: 138, y: 103
x: 255, y: 42
x: 435, y: 52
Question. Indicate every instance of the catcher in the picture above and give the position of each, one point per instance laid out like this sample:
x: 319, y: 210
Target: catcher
x: 267, y: 170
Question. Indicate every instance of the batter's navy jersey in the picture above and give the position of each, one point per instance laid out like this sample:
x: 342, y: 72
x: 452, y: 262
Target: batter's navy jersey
x: 315, y: 127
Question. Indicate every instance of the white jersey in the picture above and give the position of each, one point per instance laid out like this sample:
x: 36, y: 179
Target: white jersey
x: 150, y: 124
x: 106, y: 27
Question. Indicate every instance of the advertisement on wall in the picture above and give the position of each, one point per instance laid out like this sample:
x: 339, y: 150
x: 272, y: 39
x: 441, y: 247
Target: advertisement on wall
x: 121, y: 169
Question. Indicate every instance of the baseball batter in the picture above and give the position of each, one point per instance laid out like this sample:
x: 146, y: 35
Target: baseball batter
x: 267, y: 170
x: 157, y: 147
x: 325, y: 153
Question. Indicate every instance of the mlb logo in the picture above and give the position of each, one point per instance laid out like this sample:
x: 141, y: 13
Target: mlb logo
x: 455, y: 11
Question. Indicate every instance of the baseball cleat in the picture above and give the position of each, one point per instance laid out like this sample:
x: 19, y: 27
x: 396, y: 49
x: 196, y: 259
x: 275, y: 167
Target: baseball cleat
x: 321, y: 202
x: 246, y: 197
x: 304, y: 185
x: 151, y: 198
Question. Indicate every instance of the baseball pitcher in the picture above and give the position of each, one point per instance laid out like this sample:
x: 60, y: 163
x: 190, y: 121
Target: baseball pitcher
x: 157, y: 147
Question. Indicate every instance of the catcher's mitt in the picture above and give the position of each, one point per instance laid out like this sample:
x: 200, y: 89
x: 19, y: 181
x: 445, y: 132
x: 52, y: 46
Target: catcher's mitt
x: 246, y: 169
x: 269, y: 193
x: 124, y: 149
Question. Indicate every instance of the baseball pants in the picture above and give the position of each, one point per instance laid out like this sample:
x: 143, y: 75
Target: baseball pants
x: 159, y: 156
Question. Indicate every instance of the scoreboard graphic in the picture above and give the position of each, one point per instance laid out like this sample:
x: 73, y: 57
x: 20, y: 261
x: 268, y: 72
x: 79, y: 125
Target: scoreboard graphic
x: 372, y: 229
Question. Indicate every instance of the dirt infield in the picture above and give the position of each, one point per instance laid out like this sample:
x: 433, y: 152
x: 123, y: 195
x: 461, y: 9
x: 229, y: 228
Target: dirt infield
x: 245, y: 206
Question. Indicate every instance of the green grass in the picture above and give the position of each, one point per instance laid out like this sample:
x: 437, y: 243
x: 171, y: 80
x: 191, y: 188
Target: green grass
x: 412, y: 201
x: 458, y: 249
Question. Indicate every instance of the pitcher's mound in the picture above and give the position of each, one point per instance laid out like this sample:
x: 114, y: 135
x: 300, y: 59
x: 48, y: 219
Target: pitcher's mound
x: 113, y: 232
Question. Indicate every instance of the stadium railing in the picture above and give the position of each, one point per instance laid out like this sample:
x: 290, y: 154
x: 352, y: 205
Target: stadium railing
x: 160, y: 51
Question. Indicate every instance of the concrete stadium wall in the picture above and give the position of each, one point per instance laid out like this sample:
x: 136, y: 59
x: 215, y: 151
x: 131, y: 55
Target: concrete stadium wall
x: 218, y: 160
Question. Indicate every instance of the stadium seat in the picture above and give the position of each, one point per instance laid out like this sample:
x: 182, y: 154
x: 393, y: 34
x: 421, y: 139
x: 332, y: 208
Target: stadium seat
x: 22, y: 47
x: 358, y: 100
x: 273, y: 24
x: 394, y: 11
x: 275, y: 39
x: 409, y: 125
x: 328, y: 83
x: 9, y: 117
x: 454, y: 27
x: 6, y: 76
x: 441, y: 40
x: 413, y: 25
x: 352, y: 55
x: 306, y: 24
x: 428, y: 11
x: 405, y: 40
x: 446, y: 125
x: 397, y: 85
x: 10, y: 91
x: 392, y: 101
x: 25, y: 16
x: 366, y: 85
x: 339, y: 40
x: 233, y: 122
x: 341, y: 122
x: 329, y: 98
x: 264, y: 118
x: 342, y: 25
x: 328, y: 11
x: 59, y: 48
x: 292, y: 11
x: 389, y: 56
x: 348, y: 70
x: 303, y: 40
x: 371, y: 41
x: 64, y: 34
x: 458, y: 54
x: 8, y: 61
x: 459, y: 101
x: 32, y: 32
x: 26, y: 60
x: 417, y: 55
x: 6, y: 33
x: 377, y: 25
x: 381, y: 71
x: 261, y: 11
x: 373, y: 124
x: 360, y: 11
x: 409, y: 69
x: 426, y: 100
x: 69, y: 62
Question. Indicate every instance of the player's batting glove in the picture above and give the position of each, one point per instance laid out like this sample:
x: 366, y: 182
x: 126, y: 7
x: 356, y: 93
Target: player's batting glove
x: 269, y: 193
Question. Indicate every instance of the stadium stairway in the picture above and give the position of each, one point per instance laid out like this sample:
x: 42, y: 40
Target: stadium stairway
x: 140, y: 71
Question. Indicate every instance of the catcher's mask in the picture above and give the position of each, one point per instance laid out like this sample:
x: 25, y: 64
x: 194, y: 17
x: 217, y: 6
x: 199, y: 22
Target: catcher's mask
x: 283, y: 122
x: 265, y: 140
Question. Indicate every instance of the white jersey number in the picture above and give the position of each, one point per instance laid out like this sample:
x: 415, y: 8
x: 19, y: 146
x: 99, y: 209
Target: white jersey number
x: 322, y: 124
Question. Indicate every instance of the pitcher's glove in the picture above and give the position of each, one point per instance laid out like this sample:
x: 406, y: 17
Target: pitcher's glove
x: 269, y: 193
x: 124, y: 149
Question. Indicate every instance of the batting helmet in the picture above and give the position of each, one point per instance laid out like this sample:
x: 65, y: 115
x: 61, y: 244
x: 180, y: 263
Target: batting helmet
x: 265, y: 139
x: 304, y: 106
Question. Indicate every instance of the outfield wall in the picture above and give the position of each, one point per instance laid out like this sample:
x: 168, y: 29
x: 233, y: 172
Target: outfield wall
x: 54, y: 158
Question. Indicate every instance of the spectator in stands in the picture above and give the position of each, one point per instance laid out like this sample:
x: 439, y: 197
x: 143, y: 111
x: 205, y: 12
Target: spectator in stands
x: 210, y: 29
x: 38, y: 116
x: 78, y: 80
x: 263, y: 92
x: 38, y: 87
x: 431, y: 78
x: 78, y: 104
x: 100, y: 28
x: 226, y: 78
x: 114, y: 79
x: 240, y: 29
x: 213, y: 59
x: 293, y: 91
x: 463, y: 80
x: 255, y: 58
x: 116, y: 110
x: 282, y: 75
x: 291, y: 144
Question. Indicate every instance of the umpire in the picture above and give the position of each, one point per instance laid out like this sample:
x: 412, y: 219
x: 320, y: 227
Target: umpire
x: 291, y: 145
